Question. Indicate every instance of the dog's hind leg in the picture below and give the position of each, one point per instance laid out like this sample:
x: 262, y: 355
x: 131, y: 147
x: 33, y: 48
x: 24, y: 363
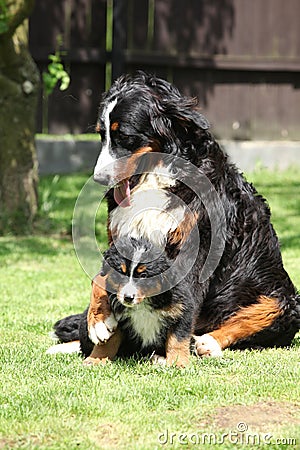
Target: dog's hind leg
x: 246, y: 322
x: 100, y: 319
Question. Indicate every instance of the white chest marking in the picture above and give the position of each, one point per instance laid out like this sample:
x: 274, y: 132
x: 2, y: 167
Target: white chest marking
x: 145, y: 323
x: 148, y: 215
x: 105, y: 160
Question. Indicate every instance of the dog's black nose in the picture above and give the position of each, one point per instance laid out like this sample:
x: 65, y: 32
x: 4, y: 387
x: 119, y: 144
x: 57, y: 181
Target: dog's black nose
x: 128, y: 299
x: 103, y: 178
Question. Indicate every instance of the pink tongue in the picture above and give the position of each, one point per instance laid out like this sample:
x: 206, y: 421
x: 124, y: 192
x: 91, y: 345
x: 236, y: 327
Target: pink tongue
x: 122, y: 193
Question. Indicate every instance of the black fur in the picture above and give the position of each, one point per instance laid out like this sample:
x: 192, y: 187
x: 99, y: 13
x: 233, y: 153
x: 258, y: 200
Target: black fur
x: 67, y: 329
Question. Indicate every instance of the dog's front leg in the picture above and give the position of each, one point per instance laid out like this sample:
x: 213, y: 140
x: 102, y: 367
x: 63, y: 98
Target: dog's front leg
x: 101, y: 354
x: 101, y: 320
x: 177, y: 350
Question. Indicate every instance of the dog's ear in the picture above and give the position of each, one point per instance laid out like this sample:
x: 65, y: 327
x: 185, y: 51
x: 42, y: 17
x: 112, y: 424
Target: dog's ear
x: 184, y: 113
x: 105, y: 268
x: 199, y: 120
x: 172, y: 115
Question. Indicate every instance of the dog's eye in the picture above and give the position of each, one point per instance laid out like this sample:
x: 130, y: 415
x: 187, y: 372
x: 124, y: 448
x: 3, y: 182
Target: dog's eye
x: 141, y: 271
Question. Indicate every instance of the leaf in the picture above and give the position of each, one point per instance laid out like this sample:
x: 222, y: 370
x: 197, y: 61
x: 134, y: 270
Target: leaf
x: 3, y: 27
x: 56, y: 72
x: 65, y: 81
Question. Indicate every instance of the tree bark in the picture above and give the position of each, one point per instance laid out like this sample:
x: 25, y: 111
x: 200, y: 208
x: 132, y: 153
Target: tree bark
x: 19, y: 84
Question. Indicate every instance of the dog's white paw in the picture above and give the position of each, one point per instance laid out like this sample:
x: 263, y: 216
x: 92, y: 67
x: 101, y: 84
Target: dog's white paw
x: 158, y: 360
x: 206, y: 345
x: 102, y: 331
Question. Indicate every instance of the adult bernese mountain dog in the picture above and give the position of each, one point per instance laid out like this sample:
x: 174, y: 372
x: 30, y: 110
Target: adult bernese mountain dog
x: 170, y: 183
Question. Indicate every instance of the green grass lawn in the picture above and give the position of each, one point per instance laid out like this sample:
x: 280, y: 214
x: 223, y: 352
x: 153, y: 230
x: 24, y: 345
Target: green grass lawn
x: 246, y: 399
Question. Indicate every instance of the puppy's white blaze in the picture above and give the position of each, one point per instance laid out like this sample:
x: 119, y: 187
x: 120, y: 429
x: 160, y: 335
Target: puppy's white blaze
x: 105, y: 161
x: 145, y: 323
x: 136, y: 259
x: 67, y: 347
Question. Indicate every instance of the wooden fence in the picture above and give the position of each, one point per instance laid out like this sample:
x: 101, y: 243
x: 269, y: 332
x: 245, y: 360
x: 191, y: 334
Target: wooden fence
x: 241, y: 58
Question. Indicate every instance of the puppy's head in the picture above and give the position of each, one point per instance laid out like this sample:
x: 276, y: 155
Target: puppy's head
x: 135, y: 270
x: 138, y: 115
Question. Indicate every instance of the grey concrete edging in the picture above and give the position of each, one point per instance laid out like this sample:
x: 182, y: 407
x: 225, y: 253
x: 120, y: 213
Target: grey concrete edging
x: 72, y: 155
x: 66, y: 155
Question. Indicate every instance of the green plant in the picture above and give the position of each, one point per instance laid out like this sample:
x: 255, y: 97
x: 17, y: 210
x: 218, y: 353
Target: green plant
x: 4, y: 17
x: 56, y: 73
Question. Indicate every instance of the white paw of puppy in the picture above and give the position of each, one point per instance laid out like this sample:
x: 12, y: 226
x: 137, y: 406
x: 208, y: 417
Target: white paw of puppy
x: 158, y: 360
x: 101, y: 332
x: 206, y: 345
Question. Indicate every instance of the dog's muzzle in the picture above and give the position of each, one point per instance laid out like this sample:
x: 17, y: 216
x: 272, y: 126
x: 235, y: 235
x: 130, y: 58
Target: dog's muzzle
x: 104, y: 178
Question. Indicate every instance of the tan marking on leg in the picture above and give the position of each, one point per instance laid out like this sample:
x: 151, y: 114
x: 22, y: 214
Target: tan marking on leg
x: 99, y: 300
x: 100, y: 312
x: 177, y: 352
x: 99, y: 308
x: 102, y: 354
x: 247, y: 321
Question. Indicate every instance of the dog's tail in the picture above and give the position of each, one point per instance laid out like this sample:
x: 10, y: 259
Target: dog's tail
x: 66, y: 332
x: 67, y: 329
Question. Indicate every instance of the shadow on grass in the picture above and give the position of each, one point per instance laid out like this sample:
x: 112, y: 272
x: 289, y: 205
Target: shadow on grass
x: 19, y: 246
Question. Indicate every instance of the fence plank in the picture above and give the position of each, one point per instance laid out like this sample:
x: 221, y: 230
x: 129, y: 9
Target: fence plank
x: 241, y: 58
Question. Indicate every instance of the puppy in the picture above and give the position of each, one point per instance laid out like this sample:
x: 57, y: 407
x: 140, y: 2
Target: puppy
x: 155, y: 313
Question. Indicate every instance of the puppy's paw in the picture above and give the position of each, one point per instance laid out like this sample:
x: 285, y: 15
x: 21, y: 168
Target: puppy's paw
x: 206, y: 345
x: 169, y: 362
x: 158, y: 360
x: 89, y: 361
x: 101, y: 331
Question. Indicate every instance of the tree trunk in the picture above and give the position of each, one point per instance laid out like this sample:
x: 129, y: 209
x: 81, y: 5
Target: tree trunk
x: 19, y: 83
